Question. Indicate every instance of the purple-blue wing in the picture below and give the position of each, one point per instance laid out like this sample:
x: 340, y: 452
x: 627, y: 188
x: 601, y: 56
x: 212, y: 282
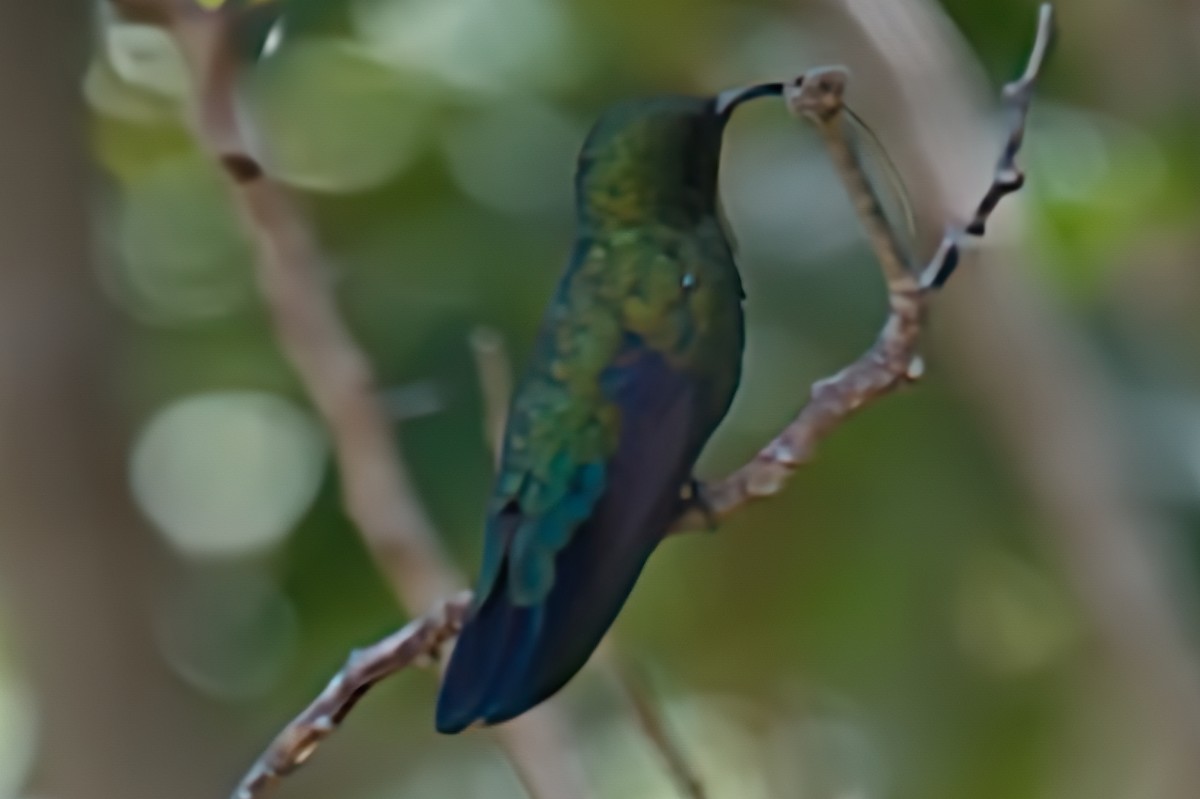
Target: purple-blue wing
x: 512, y: 655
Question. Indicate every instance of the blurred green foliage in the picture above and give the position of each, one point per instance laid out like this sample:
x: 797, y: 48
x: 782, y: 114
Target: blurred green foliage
x: 891, y: 626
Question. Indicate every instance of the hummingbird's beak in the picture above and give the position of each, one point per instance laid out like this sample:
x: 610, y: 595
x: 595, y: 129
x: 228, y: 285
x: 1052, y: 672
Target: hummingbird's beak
x: 730, y: 99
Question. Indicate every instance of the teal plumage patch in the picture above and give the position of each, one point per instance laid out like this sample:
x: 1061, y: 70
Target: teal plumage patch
x: 541, y: 537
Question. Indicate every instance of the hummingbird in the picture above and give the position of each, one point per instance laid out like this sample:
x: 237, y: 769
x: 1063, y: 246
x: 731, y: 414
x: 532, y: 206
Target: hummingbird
x: 636, y: 361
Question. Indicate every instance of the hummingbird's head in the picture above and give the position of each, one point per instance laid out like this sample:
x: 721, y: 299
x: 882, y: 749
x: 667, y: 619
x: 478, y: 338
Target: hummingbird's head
x: 657, y: 158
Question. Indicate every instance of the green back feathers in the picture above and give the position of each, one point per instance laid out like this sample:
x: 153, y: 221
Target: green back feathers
x: 647, y: 159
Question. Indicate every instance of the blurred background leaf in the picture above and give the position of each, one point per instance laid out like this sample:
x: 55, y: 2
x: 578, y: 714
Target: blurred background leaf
x: 891, y: 626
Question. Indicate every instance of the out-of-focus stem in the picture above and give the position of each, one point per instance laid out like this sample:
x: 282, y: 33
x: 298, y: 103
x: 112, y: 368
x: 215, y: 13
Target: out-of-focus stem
x: 377, y: 491
x: 892, y: 360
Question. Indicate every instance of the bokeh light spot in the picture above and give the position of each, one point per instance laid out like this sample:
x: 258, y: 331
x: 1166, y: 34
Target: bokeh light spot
x: 782, y: 196
x: 334, y: 119
x: 182, y: 257
x: 228, y: 473
x: 147, y: 57
x: 516, y: 157
x: 476, y: 45
x: 1011, y: 619
x: 228, y: 634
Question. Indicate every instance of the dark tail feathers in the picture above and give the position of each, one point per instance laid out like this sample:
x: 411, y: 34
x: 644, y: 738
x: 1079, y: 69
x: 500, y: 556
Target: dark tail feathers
x: 510, y: 658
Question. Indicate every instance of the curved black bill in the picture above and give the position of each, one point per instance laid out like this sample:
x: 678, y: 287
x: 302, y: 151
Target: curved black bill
x: 726, y: 101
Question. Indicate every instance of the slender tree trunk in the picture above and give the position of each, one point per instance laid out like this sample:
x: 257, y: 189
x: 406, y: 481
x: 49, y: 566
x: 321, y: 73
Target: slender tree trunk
x: 74, y: 557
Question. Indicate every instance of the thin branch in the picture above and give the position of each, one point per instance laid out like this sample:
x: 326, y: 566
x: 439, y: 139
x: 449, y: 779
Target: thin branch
x: 1008, y: 176
x: 818, y: 96
x: 891, y: 362
x: 363, y: 670
x: 293, y: 278
x: 378, y: 493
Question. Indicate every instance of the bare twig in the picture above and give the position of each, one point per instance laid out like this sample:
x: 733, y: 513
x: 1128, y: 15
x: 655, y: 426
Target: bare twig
x: 377, y: 491
x: 818, y: 96
x: 1008, y: 177
x: 893, y: 359
x: 364, y: 668
x: 293, y: 278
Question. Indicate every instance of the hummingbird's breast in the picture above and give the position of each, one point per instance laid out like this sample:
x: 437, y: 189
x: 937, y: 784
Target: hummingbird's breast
x: 653, y: 289
x: 675, y: 291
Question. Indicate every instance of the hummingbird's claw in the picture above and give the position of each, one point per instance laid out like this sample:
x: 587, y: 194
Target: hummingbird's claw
x: 692, y: 496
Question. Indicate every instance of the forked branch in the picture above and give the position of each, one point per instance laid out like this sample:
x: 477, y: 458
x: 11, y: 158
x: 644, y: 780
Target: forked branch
x: 889, y: 363
x: 893, y: 359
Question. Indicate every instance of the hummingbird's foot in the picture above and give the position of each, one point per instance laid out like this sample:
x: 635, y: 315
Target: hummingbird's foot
x: 692, y: 498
